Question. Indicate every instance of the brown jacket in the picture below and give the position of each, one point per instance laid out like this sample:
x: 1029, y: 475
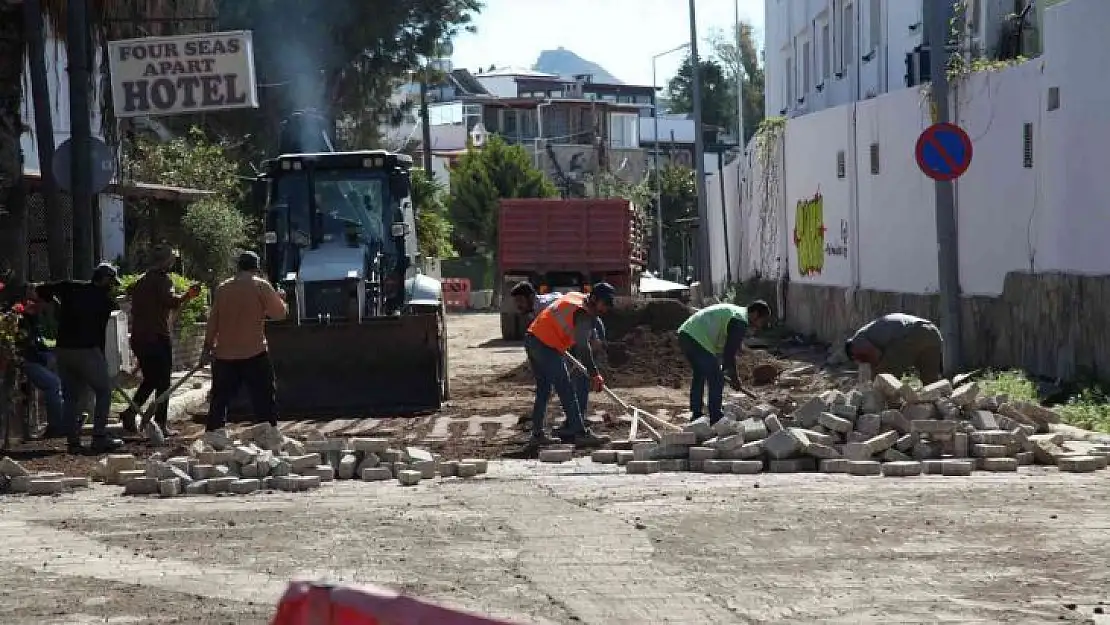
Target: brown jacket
x: 237, y: 323
x: 152, y: 302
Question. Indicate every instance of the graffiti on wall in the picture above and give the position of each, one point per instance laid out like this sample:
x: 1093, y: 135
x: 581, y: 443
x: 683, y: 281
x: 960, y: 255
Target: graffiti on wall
x: 809, y: 235
x: 812, y: 237
x: 839, y: 248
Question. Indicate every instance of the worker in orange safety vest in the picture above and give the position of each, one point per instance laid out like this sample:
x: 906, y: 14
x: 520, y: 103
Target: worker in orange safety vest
x: 566, y: 325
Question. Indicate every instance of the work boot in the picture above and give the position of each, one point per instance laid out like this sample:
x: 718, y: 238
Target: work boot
x: 73, y: 446
x: 166, y: 430
x: 217, y: 439
x: 541, y: 439
x: 104, y: 444
x: 589, y: 439
x: 129, y: 419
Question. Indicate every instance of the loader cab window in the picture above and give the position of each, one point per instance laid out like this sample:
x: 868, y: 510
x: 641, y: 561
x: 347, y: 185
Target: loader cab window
x: 347, y: 201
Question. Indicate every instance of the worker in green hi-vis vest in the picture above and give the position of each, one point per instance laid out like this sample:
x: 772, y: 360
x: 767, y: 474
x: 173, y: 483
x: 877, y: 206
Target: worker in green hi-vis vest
x: 710, y: 339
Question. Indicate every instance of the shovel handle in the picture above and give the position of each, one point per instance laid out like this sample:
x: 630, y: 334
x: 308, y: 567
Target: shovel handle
x: 149, y: 412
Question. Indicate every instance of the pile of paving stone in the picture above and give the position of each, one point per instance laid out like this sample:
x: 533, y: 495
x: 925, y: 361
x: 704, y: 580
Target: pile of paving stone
x: 14, y: 478
x: 885, y: 428
x: 247, y: 466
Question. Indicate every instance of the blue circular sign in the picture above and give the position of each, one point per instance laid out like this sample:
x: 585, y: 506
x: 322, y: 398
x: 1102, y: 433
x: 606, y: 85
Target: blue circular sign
x: 943, y: 151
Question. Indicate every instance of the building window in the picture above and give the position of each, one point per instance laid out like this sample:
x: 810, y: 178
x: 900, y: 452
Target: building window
x: 807, y: 69
x: 826, y: 52
x: 624, y: 131
x: 848, y: 53
x: 790, y: 78
x: 509, y: 128
x: 876, y: 24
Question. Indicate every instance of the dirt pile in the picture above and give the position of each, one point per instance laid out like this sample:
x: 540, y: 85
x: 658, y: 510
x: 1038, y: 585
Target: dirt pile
x: 646, y: 358
x: 658, y: 315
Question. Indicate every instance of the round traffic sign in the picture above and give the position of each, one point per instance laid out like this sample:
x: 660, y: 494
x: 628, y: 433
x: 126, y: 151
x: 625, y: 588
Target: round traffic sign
x: 943, y: 151
x: 103, y: 165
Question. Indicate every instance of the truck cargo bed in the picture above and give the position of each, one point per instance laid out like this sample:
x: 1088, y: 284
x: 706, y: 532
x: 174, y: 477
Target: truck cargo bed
x: 569, y: 235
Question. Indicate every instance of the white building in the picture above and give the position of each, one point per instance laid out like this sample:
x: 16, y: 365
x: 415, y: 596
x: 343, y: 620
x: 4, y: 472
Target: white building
x: 824, y: 53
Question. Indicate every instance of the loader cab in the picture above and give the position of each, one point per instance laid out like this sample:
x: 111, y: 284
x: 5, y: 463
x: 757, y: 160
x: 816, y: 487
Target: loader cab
x: 339, y: 232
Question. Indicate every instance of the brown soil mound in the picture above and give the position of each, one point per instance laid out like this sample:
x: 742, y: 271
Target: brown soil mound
x: 659, y: 315
x: 646, y: 358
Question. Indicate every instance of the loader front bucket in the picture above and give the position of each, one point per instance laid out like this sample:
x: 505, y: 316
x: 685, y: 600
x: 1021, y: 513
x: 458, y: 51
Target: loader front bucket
x: 385, y: 366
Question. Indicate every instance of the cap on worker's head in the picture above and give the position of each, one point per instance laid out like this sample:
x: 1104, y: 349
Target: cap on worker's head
x: 523, y: 289
x: 604, y: 292
x: 163, y: 253
x: 106, y: 271
x: 248, y: 261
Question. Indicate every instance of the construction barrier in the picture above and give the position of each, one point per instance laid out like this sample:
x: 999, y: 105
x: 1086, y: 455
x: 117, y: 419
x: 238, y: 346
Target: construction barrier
x: 307, y: 603
x: 456, y: 293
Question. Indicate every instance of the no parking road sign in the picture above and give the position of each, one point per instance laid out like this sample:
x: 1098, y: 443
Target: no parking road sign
x: 943, y: 152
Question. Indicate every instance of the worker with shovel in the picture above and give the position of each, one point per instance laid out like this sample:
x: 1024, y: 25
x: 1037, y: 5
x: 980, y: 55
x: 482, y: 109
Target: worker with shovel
x: 153, y: 301
x: 899, y: 343
x: 711, y: 339
x: 564, y: 326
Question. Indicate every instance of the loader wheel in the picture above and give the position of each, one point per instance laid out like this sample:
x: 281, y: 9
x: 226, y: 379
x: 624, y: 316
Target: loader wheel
x: 444, y: 358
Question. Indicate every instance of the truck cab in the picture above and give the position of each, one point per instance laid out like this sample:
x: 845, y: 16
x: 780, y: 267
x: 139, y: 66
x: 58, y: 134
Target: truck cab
x: 339, y: 232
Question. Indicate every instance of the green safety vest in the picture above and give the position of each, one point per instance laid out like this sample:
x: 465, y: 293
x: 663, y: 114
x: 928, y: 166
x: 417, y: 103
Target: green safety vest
x: 709, y: 326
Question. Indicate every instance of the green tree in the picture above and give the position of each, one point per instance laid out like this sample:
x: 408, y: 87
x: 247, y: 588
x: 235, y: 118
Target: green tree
x: 715, y: 92
x: 743, y: 61
x: 433, y: 229
x: 479, y: 181
x: 679, y: 199
x: 211, y: 230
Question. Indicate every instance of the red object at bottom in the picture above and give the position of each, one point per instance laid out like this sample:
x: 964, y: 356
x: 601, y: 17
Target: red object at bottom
x: 306, y: 603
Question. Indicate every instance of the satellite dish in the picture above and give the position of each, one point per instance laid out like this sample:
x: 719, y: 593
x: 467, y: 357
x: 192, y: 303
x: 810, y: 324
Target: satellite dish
x: 478, y: 135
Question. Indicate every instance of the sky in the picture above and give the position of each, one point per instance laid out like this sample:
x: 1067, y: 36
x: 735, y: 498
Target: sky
x: 620, y: 35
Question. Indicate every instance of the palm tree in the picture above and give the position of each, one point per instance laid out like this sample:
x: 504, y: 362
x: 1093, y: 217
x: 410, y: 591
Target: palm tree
x: 108, y: 19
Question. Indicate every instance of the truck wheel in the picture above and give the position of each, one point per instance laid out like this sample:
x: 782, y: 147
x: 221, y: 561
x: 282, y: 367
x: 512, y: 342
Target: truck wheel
x: 511, y: 326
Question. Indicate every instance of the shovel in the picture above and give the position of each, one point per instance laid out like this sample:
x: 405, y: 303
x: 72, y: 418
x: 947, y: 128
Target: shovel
x: 637, y: 413
x: 155, y: 433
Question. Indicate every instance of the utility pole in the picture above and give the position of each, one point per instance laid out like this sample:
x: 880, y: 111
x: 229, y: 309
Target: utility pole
x: 44, y: 137
x: 704, y: 275
x: 948, y: 246
x: 426, y: 128
x: 77, y: 52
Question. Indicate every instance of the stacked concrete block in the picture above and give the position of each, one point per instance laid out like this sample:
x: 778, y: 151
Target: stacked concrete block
x: 251, y: 464
x: 883, y: 427
x: 14, y: 478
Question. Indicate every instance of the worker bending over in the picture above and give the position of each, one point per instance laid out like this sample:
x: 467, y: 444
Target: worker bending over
x: 236, y: 342
x: 711, y: 339
x: 898, y: 343
x: 565, y: 326
x: 153, y: 301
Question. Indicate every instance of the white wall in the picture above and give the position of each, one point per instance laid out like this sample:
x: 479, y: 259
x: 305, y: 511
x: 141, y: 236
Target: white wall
x: 58, y: 84
x: 1049, y: 216
x: 792, y: 23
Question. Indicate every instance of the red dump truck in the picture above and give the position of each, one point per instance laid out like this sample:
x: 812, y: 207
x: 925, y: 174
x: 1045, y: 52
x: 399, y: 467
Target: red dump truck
x: 566, y: 245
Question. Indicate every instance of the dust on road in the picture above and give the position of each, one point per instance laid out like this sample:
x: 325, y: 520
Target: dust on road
x: 581, y: 544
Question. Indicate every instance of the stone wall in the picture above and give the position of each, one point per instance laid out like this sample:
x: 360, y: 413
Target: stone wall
x: 187, y: 347
x: 1052, y: 324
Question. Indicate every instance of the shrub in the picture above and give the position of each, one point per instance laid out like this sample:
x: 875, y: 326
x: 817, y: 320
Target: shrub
x: 214, y: 232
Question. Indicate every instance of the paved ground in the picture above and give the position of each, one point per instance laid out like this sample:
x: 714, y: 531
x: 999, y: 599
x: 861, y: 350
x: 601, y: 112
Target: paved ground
x: 580, y: 544
x: 574, y: 543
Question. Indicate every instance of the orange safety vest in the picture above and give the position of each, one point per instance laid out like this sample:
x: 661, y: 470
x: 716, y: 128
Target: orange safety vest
x: 554, y: 326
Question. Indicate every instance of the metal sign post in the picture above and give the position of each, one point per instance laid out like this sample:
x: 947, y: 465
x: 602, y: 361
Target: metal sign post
x: 948, y: 245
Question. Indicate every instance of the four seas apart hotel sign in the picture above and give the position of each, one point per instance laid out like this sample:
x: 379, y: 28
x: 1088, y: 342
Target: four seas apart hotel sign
x: 184, y: 74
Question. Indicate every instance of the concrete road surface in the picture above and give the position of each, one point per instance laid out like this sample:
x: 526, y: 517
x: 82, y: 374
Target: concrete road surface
x: 579, y: 543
